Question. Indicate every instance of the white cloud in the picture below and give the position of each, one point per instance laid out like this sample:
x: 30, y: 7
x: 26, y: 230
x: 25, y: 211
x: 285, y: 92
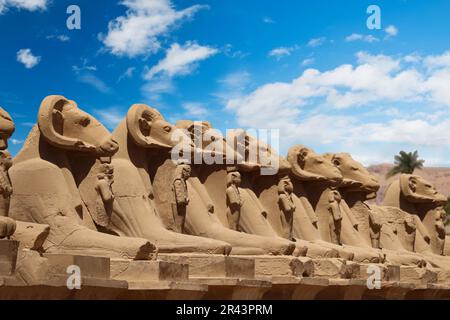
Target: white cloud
x: 316, y: 42
x: 153, y: 89
x: 181, y: 60
x: 230, y: 52
x: 85, y: 66
x: 94, y: 81
x: 137, y: 33
x: 360, y: 37
x: 391, y: 31
x: 308, y: 62
x: 60, y: 37
x: 110, y: 117
x: 232, y: 85
x: 195, y: 109
x: 438, y: 61
x: 268, y: 20
x: 280, y: 52
x: 312, y: 108
x: 16, y: 141
x: 30, y: 5
x: 127, y: 74
x: 26, y: 57
x: 236, y: 79
x: 413, y: 58
x: 85, y: 74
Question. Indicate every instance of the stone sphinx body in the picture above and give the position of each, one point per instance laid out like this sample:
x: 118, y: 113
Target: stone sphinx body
x: 357, y: 187
x: 7, y: 225
x: 207, y: 212
x: 143, y: 136
x: 66, y: 153
x: 417, y: 197
x: 265, y: 195
x: 316, y: 181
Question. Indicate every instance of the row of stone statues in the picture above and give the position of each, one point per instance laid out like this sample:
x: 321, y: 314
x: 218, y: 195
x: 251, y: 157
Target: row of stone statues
x: 121, y: 195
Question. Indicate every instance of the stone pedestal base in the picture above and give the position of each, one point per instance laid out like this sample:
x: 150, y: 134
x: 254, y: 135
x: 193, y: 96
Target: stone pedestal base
x: 8, y: 256
x: 90, y: 267
x: 387, y: 272
x: 148, y: 270
x: 309, y: 288
x: 235, y: 289
x: 334, y: 268
x: 417, y: 275
x: 213, y: 266
x: 282, y: 266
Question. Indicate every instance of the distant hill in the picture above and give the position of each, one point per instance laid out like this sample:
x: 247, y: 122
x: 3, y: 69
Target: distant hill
x: 440, y: 177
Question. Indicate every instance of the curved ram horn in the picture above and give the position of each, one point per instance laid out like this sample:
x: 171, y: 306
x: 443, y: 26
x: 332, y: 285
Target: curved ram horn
x: 136, y: 116
x: 49, y: 107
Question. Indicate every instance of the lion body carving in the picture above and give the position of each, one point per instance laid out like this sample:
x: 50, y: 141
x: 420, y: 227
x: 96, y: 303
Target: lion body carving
x: 7, y: 225
x: 316, y: 181
x: 417, y: 197
x: 58, y: 155
x: 206, y: 213
x: 376, y: 225
x: 142, y: 137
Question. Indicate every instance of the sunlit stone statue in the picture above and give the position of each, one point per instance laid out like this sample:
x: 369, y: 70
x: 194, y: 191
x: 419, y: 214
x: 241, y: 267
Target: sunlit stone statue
x: 287, y: 206
x: 359, y: 186
x: 180, y: 195
x: 234, y: 200
x: 317, y: 181
x: 270, y: 206
x: 7, y: 225
x: 66, y: 151
x: 207, y: 212
x: 418, y: 197
x: 144, y: 138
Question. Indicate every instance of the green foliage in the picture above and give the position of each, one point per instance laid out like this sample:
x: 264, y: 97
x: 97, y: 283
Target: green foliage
x: 447, y: 210
x: 406, y: 162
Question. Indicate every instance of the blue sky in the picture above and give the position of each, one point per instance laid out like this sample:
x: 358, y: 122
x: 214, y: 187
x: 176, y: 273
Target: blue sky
x: 309, y: 68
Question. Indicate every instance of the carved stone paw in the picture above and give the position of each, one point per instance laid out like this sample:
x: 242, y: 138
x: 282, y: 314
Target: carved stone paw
x: 7, y: 227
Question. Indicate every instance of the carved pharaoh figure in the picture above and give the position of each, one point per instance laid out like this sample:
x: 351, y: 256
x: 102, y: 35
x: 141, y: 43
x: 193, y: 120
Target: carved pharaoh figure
x: 287, y: 206
x: 96, y: 193
x: 50, y: 174
x: 180, y: 195
x: 335, y: 216
x: 7, y: 225
x: 234, y: 200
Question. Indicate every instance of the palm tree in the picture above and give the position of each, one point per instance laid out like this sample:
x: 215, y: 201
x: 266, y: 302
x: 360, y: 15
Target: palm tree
x: 406, y: 162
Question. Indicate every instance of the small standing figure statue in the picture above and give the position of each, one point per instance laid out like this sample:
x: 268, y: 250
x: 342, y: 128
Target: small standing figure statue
x: 287, y: 206
x: 234, y: 200
x: 335, y: 216
x: 410, y: 232
x: 375, y: 230
x: 181, y: 195
x: 440, y: 229
x: 7, y: 225
x: 105, y: 200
